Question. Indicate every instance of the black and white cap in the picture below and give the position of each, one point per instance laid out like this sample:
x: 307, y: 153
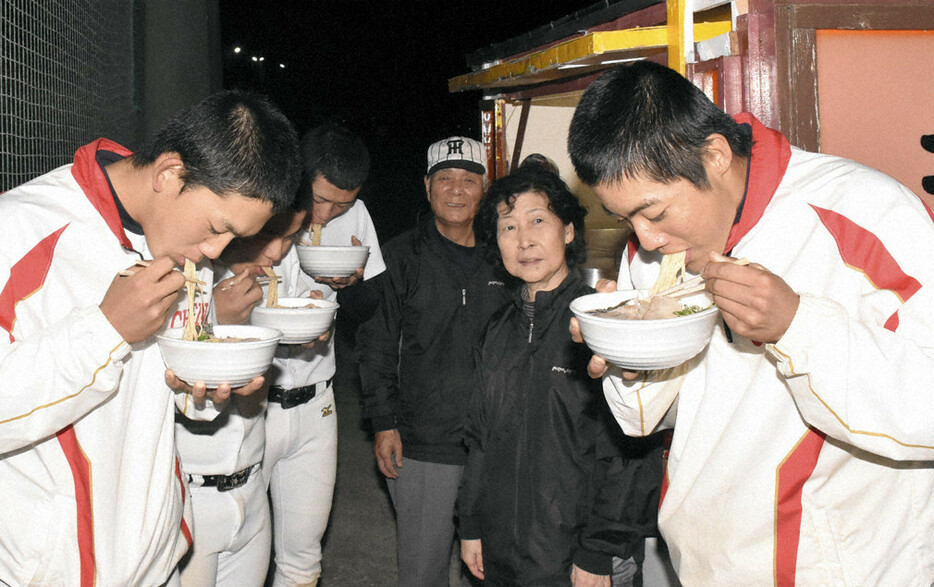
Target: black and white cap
x: 460, y: 152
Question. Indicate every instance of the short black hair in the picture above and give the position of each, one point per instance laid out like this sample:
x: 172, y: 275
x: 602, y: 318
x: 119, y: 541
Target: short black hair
x: 337, y: 154
x: 646, y: 120
x: 232, y: 142
x: 561, y: 201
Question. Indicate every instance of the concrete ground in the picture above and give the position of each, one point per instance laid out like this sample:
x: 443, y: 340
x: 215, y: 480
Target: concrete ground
x: 360, y: 544
x: 359, y: 547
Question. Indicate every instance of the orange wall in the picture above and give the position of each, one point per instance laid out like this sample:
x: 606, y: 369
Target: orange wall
x: 876, y: 99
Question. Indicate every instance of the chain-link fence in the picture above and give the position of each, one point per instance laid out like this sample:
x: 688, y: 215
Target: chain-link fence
x: 66, y: 77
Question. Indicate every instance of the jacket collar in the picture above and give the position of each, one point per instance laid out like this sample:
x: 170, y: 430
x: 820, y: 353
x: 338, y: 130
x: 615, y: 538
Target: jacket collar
x: 93, y: 183
x: 770, y: 155
x: 552, y: 304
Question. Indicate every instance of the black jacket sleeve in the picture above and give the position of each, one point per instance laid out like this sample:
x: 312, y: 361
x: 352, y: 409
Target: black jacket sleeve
x: 627, y: 485
x: 468, y: 498
x: 378, y: 341
x: 359, y: 301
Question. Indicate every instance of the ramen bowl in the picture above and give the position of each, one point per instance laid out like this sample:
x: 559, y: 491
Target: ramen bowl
x: 328, y: 261
x: 297, y: 323
x: 642, y: 345
x: 214, y: 363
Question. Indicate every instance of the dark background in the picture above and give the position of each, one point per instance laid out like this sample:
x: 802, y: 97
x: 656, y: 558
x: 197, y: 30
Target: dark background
x: 381, y: 68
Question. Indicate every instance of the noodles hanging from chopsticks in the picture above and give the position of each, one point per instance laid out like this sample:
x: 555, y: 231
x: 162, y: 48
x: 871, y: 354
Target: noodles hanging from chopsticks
x: 671, y: 273
x: 192, y: 330
x: 272, y: 299
x: 316, y: 234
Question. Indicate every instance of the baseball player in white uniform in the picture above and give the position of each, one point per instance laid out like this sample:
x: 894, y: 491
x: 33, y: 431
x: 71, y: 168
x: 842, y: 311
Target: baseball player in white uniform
x: 300, y: 464
x: 92, y: 488
x: 222, y: 458
x: 803, y: 444
x: 301, y: 420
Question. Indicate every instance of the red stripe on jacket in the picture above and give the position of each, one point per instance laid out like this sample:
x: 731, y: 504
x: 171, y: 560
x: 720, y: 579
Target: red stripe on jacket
x: 26, y: 276
x: 81, y: 472
x: 790, y: 478
x: 863, y: 251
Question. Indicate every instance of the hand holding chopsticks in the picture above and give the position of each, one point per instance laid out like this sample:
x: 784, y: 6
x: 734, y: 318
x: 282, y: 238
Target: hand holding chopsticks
x: 692, y: 285
x: 754, y: 302
x: 139, y: 306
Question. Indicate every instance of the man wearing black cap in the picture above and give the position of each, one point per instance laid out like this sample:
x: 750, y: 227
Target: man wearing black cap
x: 437, y: 295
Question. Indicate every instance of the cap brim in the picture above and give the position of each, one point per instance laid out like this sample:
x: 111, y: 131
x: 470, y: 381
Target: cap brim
x: 472, y: 166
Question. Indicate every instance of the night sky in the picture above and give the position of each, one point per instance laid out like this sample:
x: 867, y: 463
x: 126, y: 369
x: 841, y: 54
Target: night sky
x: 381, y: 68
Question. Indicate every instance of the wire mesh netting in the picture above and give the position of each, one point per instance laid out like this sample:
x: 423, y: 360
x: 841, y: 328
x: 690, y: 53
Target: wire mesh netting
x: 66, y: 78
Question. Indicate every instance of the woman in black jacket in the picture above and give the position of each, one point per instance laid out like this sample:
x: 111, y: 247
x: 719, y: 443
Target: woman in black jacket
x: 543, y: 468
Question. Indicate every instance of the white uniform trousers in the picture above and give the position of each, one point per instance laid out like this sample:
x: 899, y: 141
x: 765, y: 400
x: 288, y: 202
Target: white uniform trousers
x: 300, y: 465
x: 231, y: 535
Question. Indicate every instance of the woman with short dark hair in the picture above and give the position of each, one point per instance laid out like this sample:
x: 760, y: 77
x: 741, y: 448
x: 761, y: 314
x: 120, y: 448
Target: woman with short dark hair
x: 541, y: 442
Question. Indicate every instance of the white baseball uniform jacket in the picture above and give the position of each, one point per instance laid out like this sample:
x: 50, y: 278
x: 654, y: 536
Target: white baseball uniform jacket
x: 300, y: 462
x: 89, y: 478
x: 807, y: 461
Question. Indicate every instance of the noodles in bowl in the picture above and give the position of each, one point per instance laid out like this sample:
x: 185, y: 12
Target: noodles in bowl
x: 246, y: 352
x: 300, y: 320
x: 643, y: 344
x: 649, y: 329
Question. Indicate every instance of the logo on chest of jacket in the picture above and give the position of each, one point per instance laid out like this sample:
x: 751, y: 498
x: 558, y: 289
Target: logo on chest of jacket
x: 565, y: 370
x: 495, y: 282
x: 327, y: 411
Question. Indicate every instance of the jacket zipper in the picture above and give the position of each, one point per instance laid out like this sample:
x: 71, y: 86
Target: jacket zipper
x: 464, y: 297
x: 531, y: 327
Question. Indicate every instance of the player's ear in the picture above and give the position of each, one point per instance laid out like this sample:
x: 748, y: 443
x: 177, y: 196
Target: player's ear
x: 168, y: 172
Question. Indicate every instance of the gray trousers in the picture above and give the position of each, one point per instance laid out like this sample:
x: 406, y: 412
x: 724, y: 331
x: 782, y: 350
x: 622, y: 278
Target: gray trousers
x: 423, y: 497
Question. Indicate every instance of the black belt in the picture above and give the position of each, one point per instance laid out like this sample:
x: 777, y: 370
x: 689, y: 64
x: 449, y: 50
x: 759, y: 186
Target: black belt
x: 224, y: 482
x: 289, y: 398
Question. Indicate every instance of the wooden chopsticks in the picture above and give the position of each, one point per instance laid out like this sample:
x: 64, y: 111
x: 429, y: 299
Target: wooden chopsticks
x: 692, y: 285
x: 139, y: 263
x: 145, y: 263
x: 262, y: 280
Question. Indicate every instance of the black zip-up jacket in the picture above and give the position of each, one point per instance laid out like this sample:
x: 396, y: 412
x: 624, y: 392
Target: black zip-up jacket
x: 417, y: 350
x: 545, y: 484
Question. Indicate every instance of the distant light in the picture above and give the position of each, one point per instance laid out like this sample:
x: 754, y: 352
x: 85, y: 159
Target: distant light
x: 282, y: 66
x: 237, y: 49
x: 254, y: 58
x: 262, y: 58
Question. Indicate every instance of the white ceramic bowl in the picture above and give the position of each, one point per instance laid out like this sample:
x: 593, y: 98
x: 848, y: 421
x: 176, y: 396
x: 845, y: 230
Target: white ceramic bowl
x: 235, y: 363
x: 297, y: 323
x: 642, y: 345
x: 325, y: 261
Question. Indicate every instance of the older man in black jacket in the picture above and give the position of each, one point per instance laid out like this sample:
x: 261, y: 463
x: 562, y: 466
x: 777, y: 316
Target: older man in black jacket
x: 437, y: 295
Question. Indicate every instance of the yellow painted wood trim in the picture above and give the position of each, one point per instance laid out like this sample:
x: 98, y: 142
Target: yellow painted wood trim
x: 676, y: 13
x: 589, y: 45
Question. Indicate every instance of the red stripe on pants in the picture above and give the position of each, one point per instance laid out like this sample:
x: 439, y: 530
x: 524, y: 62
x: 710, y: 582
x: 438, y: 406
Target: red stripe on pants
x: 186, y: 532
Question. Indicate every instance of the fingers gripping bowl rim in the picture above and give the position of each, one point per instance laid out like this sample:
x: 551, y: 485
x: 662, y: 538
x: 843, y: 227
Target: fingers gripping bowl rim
x: 297, y: 323
x: 214, y: 363
x: 331, y: 261
x: 642, y: 345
